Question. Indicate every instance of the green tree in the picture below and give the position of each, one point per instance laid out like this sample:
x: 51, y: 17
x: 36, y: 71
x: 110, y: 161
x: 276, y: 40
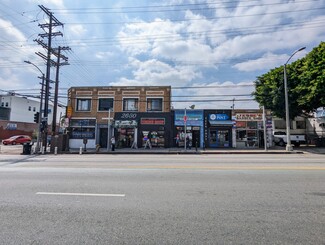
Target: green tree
x: 305, y: 80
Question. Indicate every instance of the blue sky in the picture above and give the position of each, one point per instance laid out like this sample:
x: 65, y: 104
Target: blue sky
x: 208, y: 51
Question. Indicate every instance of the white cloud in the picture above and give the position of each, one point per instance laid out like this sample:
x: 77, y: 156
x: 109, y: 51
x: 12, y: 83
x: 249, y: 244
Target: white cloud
x: 104, y: 55
x: 267, y: 61
x: 221, y: 95
x: 10, y: 32
x: 56, y: 3
x: 77, y: 30
x: 154, y: 72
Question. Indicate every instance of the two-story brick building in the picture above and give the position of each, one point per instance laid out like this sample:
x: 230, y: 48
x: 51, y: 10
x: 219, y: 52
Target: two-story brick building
x: 127, y: 113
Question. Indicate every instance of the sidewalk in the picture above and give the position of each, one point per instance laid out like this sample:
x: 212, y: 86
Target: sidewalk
x: 273, y: 150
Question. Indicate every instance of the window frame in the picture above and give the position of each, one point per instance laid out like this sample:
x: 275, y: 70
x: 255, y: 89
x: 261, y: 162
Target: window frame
x: 152, y: 98
x: 83, y: 98
x: 127, y: 98
x: 111, y: 109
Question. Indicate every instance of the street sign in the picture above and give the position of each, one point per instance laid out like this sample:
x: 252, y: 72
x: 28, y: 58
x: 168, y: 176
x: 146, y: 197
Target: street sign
x: 185, y: 118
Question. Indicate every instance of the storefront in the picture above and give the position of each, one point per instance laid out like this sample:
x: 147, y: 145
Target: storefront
x: 218, y: 128
x: 82, y: 130
x: 249, y: 129
x: 126, y: 129
x: 155, y: 127
x: 192, y: 120
x: 143, y: 129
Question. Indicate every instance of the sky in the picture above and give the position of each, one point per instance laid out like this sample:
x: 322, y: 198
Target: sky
x: 209, y: 52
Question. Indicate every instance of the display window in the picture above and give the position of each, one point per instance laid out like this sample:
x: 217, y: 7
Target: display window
x: 156, y: 138
x: 125, y: 137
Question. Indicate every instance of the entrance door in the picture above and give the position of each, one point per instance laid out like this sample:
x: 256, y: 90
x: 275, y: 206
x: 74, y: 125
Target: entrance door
x: 213, y: 137
x: 103, y: 134
x: 196, y: 138
x: 219, y: 137
x: 223, y: 138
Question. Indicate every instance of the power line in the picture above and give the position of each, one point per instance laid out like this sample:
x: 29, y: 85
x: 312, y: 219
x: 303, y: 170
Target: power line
x: 155, y: 8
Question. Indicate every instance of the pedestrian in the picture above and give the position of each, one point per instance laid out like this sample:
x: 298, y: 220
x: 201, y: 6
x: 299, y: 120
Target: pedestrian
x: 188, y: 142
x: 177, y: 140
x: 113, y: 143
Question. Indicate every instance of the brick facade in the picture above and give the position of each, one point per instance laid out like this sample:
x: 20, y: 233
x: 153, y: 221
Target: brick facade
x: 118, y: 94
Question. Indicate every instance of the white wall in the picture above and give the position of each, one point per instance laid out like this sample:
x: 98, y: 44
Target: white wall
x: 23, y: 109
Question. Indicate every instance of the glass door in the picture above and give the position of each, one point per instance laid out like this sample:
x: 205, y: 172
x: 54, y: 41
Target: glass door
x: 219, y: 137
x: 223, y: 138
x: 213, y: 138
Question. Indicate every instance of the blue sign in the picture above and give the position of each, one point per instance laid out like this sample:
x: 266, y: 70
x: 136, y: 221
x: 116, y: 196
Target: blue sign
x: 194, y: 117
x: 218, y: 117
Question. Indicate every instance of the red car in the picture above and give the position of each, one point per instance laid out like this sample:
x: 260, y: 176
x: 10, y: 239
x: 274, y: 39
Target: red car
x: 17, y: 139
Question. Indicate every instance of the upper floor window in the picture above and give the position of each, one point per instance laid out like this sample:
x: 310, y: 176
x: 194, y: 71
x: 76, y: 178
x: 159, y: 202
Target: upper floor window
x: 7, y: 104
x: 130, y: 104
x: 34, y: 108
x: 2, y: 104
x: 83, y: 104
x: 104, y: 104
x: 154, y: 104
x: 29, y: 108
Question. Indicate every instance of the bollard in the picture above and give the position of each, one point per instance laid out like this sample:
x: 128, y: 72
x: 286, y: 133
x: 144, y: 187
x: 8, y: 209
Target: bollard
x: 80, y: 150
x: 43, y: 149
x: 55, y: 150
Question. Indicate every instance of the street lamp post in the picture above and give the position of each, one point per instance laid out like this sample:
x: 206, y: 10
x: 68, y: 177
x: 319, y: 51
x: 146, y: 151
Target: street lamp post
x: 289, y: 146
x: 37, y: 148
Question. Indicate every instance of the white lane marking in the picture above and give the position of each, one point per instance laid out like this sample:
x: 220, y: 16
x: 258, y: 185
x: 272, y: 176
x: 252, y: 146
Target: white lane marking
x: 80, y: 194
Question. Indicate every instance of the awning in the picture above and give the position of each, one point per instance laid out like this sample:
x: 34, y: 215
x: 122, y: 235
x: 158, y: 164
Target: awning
x: 220, y: 123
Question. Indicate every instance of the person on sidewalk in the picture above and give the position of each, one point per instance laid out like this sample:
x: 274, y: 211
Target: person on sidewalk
x: 177, y: 140
x: 113, y: 143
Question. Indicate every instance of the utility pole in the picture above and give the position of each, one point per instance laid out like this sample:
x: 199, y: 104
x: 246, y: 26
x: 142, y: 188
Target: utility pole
x: 56, y: 91
x: 53, y: 22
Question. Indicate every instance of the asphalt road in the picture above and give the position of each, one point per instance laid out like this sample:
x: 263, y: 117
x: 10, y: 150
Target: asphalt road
x: 162, y: 199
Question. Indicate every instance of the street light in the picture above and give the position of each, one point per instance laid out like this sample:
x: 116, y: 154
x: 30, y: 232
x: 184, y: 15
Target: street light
x: 289, y: 146
x: 37, y: 148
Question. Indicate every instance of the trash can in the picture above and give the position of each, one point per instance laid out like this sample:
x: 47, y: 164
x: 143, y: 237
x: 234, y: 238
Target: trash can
x: 27, y: 148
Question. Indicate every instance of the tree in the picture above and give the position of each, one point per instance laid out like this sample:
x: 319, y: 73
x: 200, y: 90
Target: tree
x: 312, y: 81
x: 306, y: 85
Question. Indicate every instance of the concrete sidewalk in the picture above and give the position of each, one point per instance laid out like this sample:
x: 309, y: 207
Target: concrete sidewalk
x: 274, y: 150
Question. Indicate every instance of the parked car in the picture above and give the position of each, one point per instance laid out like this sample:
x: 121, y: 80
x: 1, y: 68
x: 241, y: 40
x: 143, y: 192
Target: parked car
x: 280, y: 138
x: 17, y: 139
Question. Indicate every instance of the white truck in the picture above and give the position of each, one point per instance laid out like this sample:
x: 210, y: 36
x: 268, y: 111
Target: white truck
x: 280, y: 138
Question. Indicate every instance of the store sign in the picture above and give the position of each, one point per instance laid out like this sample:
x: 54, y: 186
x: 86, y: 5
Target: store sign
x: 126, y: 124
x: 193, y: 117
x: 152, y: 121
x: 129, y: 115
x: 69, y: 111
x: 218, y: 117
x: 249, y: 116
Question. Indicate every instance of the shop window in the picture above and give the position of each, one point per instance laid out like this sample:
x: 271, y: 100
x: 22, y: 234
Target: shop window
x: 83, y: 104
x: 241, y: 135
x: 252, y: 125
x: 154, y: 104
x: 240, y: 124
x: 130, y: 104
x: 104, y: 104
x: 82, y: 132
x: 301, y: 124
